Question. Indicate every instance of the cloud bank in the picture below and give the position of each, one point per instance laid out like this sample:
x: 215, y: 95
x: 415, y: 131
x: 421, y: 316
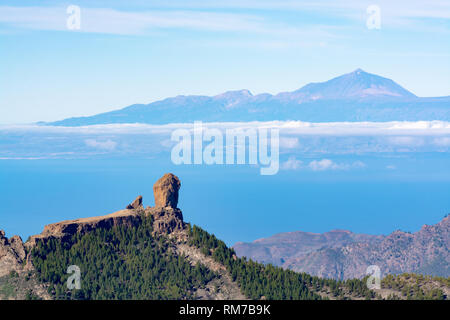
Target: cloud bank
x: 317, y: 140
x: 320, y: 165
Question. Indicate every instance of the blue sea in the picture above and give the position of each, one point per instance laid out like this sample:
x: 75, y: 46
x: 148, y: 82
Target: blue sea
x: 235, y: 203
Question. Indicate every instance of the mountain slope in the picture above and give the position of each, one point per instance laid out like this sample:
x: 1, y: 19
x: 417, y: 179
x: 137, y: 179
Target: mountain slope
x: 152, y: 253
x: 356, y: 96
x: 288, y: 245
x: 140, y: 253
x: 426, y: 251
x: 355, y: 85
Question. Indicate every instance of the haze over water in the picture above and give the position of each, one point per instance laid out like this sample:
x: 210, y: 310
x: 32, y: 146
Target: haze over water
x: 235, y: 202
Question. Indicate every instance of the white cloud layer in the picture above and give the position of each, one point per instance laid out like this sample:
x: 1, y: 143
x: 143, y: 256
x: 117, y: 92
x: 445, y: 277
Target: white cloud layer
x: 400, y: 129
x: 291, y: 164
x: 316, y: 140
x: 289, y: 143
x: 108, y: 145
x: 327, y: 164
x: 320, y: 165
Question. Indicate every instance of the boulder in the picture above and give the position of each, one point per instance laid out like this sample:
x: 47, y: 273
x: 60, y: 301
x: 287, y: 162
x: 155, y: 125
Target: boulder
x: 136, y: 204
x: 165, y: 191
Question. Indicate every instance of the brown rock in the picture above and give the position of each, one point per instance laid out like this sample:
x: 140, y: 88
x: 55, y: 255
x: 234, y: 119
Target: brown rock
x: 167, y: 217
x: 12, y: 254
x: 165, y: 191
x: 136, y: 204
x: 65, y: 229
x: 17, y: 245
x: 166, y: 220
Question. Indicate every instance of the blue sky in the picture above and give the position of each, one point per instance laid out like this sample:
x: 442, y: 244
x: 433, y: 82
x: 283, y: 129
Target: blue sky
x: 140, y: 51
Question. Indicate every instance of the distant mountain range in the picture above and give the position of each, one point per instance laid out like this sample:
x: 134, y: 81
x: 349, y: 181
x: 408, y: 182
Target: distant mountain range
x: 356, y: 96
x: 341, y: 254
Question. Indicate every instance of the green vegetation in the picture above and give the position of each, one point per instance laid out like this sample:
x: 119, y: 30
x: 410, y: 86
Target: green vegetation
x: 257, y: 280
x: 19, y: 286
x: 119, y: 263
x: 132, y: 263
x: 416, y: 286
x: 7, y: 290
x: 31, y: 296
x: 254, y: 279
x: 13, y: 274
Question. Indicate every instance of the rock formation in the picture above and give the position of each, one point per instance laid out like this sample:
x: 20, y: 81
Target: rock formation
x: 12, y: 254
x: 166, y: 220
x: 136, y: 204
x: 65, y: 229
x: 165, y: 191
x: 426, y: 251
x: 167, y: 217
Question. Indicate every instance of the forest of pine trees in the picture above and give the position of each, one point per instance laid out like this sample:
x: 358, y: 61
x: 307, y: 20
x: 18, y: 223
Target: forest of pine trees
x: 257, y: 280
x: 415, y: 286
x: 119, y: 263
x: 132, y: 263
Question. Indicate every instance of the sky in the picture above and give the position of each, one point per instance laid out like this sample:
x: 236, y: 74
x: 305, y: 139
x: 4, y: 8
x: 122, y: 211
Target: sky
x: 141, y: 51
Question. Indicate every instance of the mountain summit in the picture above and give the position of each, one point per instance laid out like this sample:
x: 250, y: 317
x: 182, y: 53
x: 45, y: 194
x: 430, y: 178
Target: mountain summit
x: 357, y: 84
x: 355, y: 96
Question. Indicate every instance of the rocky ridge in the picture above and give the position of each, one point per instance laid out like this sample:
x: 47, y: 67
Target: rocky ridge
x: 346, y: 256
x: 288, y: 245
x: 12, y: 254
x: 167, y: 219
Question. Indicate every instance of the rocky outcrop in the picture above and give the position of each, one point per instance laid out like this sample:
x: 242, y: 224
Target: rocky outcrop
x: 65, y: 229
x: 426, y: 251
x: 136, y: 204
x: 167, y: 218
x: 165, y: 191
x: 12, y: 254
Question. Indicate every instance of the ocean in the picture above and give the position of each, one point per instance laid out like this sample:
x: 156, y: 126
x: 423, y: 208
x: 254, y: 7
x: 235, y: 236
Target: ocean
x: 235, y: 203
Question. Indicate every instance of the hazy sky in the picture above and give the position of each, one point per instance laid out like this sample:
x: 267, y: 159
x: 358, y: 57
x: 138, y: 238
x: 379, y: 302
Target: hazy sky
x: 139, y: 51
